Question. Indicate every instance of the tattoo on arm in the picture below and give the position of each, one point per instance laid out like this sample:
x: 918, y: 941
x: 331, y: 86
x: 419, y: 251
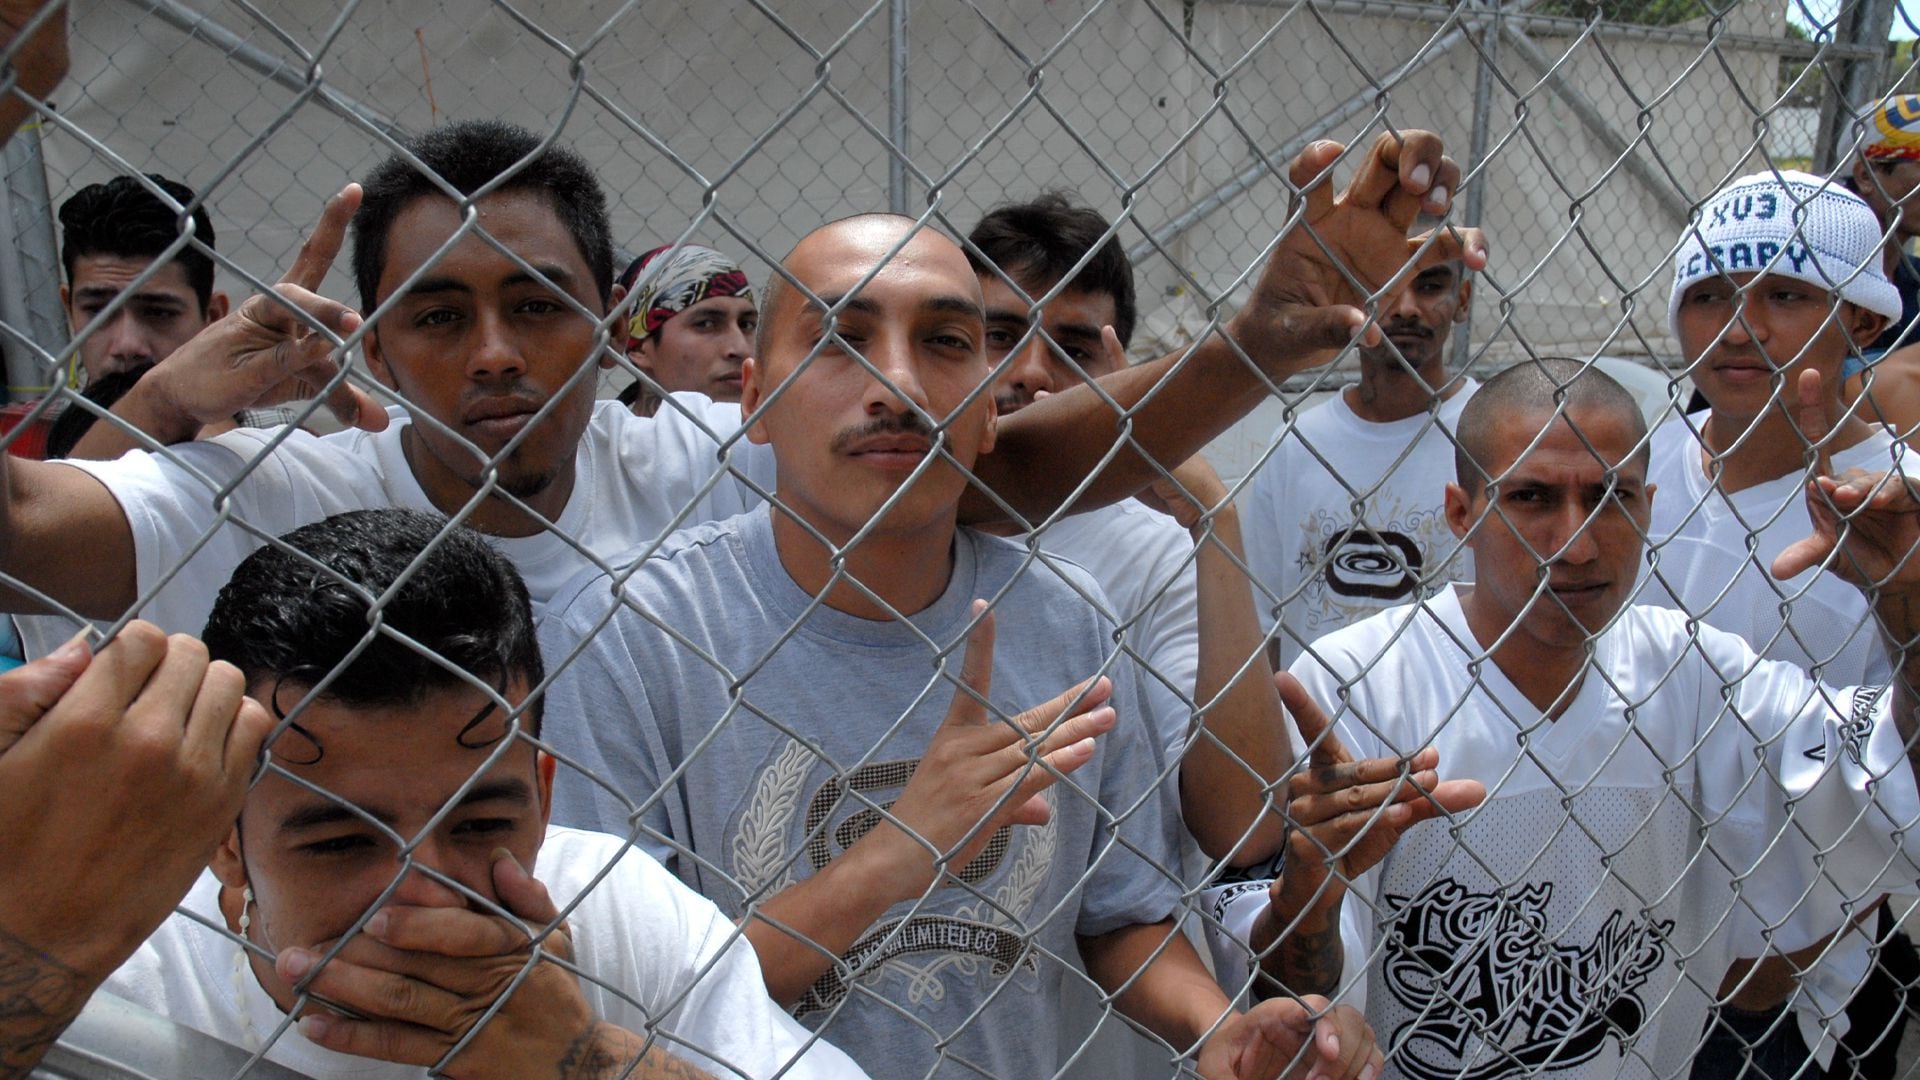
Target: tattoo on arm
x: 39, y: 997
x: 1303, y: 961
x: 595, y: 1056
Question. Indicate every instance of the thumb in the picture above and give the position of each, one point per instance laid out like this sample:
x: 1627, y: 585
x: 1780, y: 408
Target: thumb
x: 520, y: 892
x: 27, y: 692
x: 1329, y: 326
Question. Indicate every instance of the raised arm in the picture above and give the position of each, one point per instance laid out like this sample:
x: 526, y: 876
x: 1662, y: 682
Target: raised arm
x: 275, y: 347
x: 976, y: 776
x: 1343, y: 817
x: 1242, y: 750
x: 1304, y: 308
x: 122, y: 773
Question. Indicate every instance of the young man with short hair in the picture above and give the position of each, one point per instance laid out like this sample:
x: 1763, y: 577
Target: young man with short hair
x: 386, y: 874
x: 1173, y: 577
x: 915, y: 882
x: 1579, y: 921
x: 1343, y: 516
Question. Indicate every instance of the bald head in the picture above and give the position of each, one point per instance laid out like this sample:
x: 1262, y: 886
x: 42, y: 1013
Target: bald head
x: 876, y: 232
x: 1529, y: 393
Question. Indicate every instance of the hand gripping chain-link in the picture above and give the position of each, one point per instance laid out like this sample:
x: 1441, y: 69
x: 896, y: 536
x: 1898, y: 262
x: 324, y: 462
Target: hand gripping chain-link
x: 703, y: 763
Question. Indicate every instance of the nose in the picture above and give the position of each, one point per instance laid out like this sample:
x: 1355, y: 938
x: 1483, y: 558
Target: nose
x: 739, y: 343
x: 127, y: 339
x: 1404, y: 306
x: 1031, y: 369
x: 897, y: 388
x: 1748, y: 323
x: 1573, y: 542
x: 494, y: 350
x: 420, y: 889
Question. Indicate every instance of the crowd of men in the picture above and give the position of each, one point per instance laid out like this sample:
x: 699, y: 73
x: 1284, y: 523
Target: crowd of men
x: 884, y: 664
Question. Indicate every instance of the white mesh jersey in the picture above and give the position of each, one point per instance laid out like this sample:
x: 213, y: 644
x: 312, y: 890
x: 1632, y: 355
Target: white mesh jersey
x: 1345, y: 519
x: 1577, y: 924
x: 654, y: 956
x: 1710, y: 554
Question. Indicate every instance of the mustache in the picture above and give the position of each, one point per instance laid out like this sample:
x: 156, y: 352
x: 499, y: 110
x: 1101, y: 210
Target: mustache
x: 901, y: 424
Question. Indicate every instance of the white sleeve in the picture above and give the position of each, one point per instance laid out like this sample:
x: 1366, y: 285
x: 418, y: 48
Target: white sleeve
x: 1839, y: 805
x: 697, y: 421
x: 1266, y: 497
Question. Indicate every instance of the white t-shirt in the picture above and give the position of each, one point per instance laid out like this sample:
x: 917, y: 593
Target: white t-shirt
x: 656, y: 957
x: 1347, y: 517
x: 1698, y: 546
x: 635, y: 479
x: 1711, y: 555
x: 1144, y: 562
x: 1579, y: 922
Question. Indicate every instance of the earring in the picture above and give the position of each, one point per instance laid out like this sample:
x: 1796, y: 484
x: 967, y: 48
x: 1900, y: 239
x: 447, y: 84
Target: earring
x: 246, y: 909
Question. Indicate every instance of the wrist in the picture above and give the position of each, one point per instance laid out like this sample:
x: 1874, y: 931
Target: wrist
x: 156, y: 407
x: 887, y: 864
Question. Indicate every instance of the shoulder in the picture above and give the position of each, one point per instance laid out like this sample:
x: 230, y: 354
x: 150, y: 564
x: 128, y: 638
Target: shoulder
x: 686, y: 561
x: 621, y: 892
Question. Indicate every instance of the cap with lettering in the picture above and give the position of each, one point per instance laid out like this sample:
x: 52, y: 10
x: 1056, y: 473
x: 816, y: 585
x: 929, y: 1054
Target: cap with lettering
x: 1793, y: 224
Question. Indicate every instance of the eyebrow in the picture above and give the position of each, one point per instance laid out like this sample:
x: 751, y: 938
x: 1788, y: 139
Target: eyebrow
x: 104, y: 293
x: 437, y: 285
x: 320, y: 814
x: 958, y: 305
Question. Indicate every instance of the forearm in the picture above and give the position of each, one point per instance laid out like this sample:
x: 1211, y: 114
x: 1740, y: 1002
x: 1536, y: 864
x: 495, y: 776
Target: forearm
x: 1157, y: 980
x: 39, y: 997
x: 800, y: 931
x: 1243, y: 751
x: 1299, y: 954
x: 1045, y: 450
x: 607, y: 1052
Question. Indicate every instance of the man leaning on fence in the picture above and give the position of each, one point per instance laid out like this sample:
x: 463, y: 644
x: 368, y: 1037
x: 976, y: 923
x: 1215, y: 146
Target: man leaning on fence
x: 1637, y: 764
x: 421, y: 733
x: 764, y: 699
x: 491, y: 353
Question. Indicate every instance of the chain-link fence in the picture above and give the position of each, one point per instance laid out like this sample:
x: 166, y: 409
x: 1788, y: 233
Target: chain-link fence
x: 817, y: 783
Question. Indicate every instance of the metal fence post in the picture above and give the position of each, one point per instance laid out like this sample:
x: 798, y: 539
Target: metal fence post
x: 899, y: 126
x: 1476, y: 193
x: 1865, y: 25
x: 29, y: 267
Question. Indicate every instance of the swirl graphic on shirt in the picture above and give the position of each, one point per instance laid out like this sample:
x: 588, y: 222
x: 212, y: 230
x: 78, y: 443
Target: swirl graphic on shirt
x: 1494, y: 995
x: 987, y: 933
x: 1376, y: 564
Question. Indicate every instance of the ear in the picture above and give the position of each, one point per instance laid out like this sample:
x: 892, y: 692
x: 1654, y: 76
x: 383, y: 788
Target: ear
x: 227, y: 863
x: 377, y: 359
x: 1465, y: 307
x: 1863, y: 326
x: 66, y: 299
x: 217, y: 306
x: 751, y: 394
x: 991, y: 433
x: 1862, y: 176
x: 543, y: 766
x: 621, y: 332
x: 1459, y: 510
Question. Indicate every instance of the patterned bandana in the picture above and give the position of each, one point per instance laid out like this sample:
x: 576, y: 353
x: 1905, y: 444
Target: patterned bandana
x: 1896, y: 131
x: 672, y: 286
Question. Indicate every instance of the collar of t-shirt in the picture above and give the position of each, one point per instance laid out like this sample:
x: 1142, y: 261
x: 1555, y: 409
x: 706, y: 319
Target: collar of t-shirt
x: 527, y: 553
x: 1551, y: 740
x: 942, y: 621
x: 1397, y: 432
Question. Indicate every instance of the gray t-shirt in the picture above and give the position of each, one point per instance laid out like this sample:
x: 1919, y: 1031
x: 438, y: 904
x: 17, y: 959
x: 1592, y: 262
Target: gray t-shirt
x: 779, y: 776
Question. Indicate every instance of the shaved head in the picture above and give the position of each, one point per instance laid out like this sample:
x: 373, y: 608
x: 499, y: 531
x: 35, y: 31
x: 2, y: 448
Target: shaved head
x: 1531, y: 391
x: 779, y: 291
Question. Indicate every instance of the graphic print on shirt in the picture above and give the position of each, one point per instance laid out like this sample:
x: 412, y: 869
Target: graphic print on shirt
x: 1857, y: 728
x: 986, y: 933
x: 1493, y: 995
x: 1350, y: 569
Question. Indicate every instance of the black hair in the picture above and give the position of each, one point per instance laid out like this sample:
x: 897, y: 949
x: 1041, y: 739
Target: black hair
x: 1526, y: 392
x: 121, y: 217
x: 76, y: 420
x: 467, y: 156
x: 283, y: 621
x: 1037, y: 242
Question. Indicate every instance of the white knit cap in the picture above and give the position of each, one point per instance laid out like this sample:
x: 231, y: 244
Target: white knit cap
x: 1793, y: 224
